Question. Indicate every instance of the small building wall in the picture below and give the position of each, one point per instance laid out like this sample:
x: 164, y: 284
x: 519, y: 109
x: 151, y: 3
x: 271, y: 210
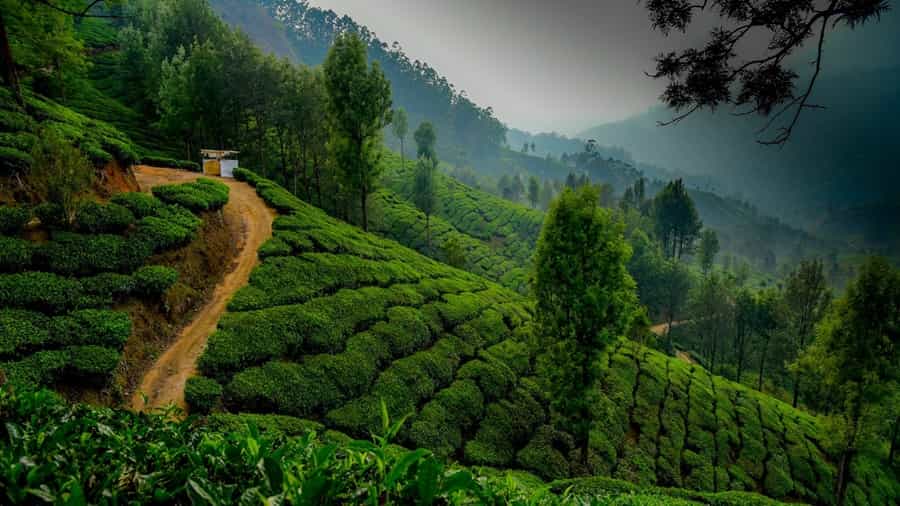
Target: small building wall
x: 212, y: 168
x: 227, y: 167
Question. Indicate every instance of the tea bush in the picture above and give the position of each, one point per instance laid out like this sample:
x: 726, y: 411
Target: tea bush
x: 200, y: 195
x: 95, y: 218
x: 202, y: 394
x: 15, y: 254
x: 13, y: 219
x: 154, y: 280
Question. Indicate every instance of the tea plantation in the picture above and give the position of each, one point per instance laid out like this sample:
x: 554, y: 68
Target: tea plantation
x: 57, y: 295
x: 335, y: 320
x: 507, y: 232
x: 402, y: 222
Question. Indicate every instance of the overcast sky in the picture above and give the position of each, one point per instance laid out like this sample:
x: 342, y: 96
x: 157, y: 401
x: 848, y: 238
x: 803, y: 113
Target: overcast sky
x: 562, y: 65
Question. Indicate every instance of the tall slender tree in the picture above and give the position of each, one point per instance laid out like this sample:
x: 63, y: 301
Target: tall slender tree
x: 359, y: 105
x: 806, y: 297
x: 400, y: 125
x: 677, y: 223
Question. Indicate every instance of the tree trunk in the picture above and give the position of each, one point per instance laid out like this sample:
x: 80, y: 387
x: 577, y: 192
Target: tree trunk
x: 671, y: 317
x: 365, y: 211
x: 402, y: 155
x: 8, y: 64
x: 762, y: 362
x: 428, y: 233
x: 796, y: 388
x: 318, y: 179
x: 894, y: 435
x: 740, y: 364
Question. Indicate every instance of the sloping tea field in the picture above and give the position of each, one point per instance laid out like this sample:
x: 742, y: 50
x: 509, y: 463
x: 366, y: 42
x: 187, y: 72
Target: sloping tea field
x: 335, y: 320
x: 59, y: 280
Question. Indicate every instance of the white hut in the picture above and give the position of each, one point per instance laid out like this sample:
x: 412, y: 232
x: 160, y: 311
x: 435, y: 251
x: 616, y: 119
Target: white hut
x: 219, y: 162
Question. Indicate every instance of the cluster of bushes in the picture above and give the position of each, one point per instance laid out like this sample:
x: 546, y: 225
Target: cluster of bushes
x: 171, y: 163
x: 54, y: 296
x: 201, y: 195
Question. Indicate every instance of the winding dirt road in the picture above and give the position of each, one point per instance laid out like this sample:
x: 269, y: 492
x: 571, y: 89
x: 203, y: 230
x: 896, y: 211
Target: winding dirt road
x: 250, y: 222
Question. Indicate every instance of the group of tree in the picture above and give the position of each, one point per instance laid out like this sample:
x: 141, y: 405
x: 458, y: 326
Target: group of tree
x: 469, y: 132
x: 319, y: 131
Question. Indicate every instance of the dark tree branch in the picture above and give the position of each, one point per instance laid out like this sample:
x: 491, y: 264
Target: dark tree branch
x: 84, y: 13
x: 785, y: 133
x: 710, y: 76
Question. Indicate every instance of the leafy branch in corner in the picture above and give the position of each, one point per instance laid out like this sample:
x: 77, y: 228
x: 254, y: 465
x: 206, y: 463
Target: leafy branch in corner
x: 715, y: 74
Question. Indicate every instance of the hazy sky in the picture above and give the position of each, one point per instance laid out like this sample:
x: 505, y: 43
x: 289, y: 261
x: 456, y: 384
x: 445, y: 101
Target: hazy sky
x: 543, y: 65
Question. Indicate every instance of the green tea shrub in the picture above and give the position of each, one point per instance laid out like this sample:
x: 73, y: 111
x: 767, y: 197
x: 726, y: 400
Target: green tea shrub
x: 79, y: 254
x: 548, y: 453
x: 202, y: 394
x: 13, y: 219
x: 109, y: 286
x: 42, y: 368
x: 141, y: 205
x: 92, y: 363
x: 40, y: 291
x: 51, y: 215
x: 154, y: 280
x: 15, y: 254
x: 95, y: 218
x: 22, y: 330
x: 201, y: 195
x: 92, y: 327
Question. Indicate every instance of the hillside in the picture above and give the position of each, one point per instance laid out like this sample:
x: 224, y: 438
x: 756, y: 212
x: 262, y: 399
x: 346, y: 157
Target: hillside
x: 350, y: 320
x: 834, y: 160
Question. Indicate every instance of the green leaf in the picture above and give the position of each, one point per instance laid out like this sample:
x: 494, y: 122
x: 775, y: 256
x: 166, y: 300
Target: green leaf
x: 402, y: 466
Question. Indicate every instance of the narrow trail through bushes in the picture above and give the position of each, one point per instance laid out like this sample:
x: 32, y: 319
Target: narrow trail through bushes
x: 250, y: 223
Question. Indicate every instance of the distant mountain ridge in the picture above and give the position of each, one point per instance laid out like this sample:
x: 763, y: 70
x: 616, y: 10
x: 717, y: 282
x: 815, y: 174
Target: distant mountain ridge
x: 837, y: 158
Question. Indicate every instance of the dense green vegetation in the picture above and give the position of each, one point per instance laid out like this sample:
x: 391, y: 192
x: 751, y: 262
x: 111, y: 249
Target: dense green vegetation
x: 57, y: 296
x: 75, y: 454
x: 456, y: 353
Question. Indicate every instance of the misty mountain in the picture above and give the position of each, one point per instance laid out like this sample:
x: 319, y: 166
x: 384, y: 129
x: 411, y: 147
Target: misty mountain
x: 836, y: 158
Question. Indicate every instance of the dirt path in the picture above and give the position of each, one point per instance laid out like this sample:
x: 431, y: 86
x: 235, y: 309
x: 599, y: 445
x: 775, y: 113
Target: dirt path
x: 660, y: 329
x: 250, y: 222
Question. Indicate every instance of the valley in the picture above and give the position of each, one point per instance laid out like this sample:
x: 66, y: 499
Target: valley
x: 396, y: 298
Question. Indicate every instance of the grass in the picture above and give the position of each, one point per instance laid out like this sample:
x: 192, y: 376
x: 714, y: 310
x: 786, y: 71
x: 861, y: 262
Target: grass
x: 335, y: 320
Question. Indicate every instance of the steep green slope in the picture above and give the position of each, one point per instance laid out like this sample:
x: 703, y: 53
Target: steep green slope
x: 404, y: 223
x: 497, y: 235
x: 334, y: 320
x: 57, y: 296
x: 20, y: 126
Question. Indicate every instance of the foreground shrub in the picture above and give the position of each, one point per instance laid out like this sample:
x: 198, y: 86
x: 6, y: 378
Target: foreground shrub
x: 202, y: 394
